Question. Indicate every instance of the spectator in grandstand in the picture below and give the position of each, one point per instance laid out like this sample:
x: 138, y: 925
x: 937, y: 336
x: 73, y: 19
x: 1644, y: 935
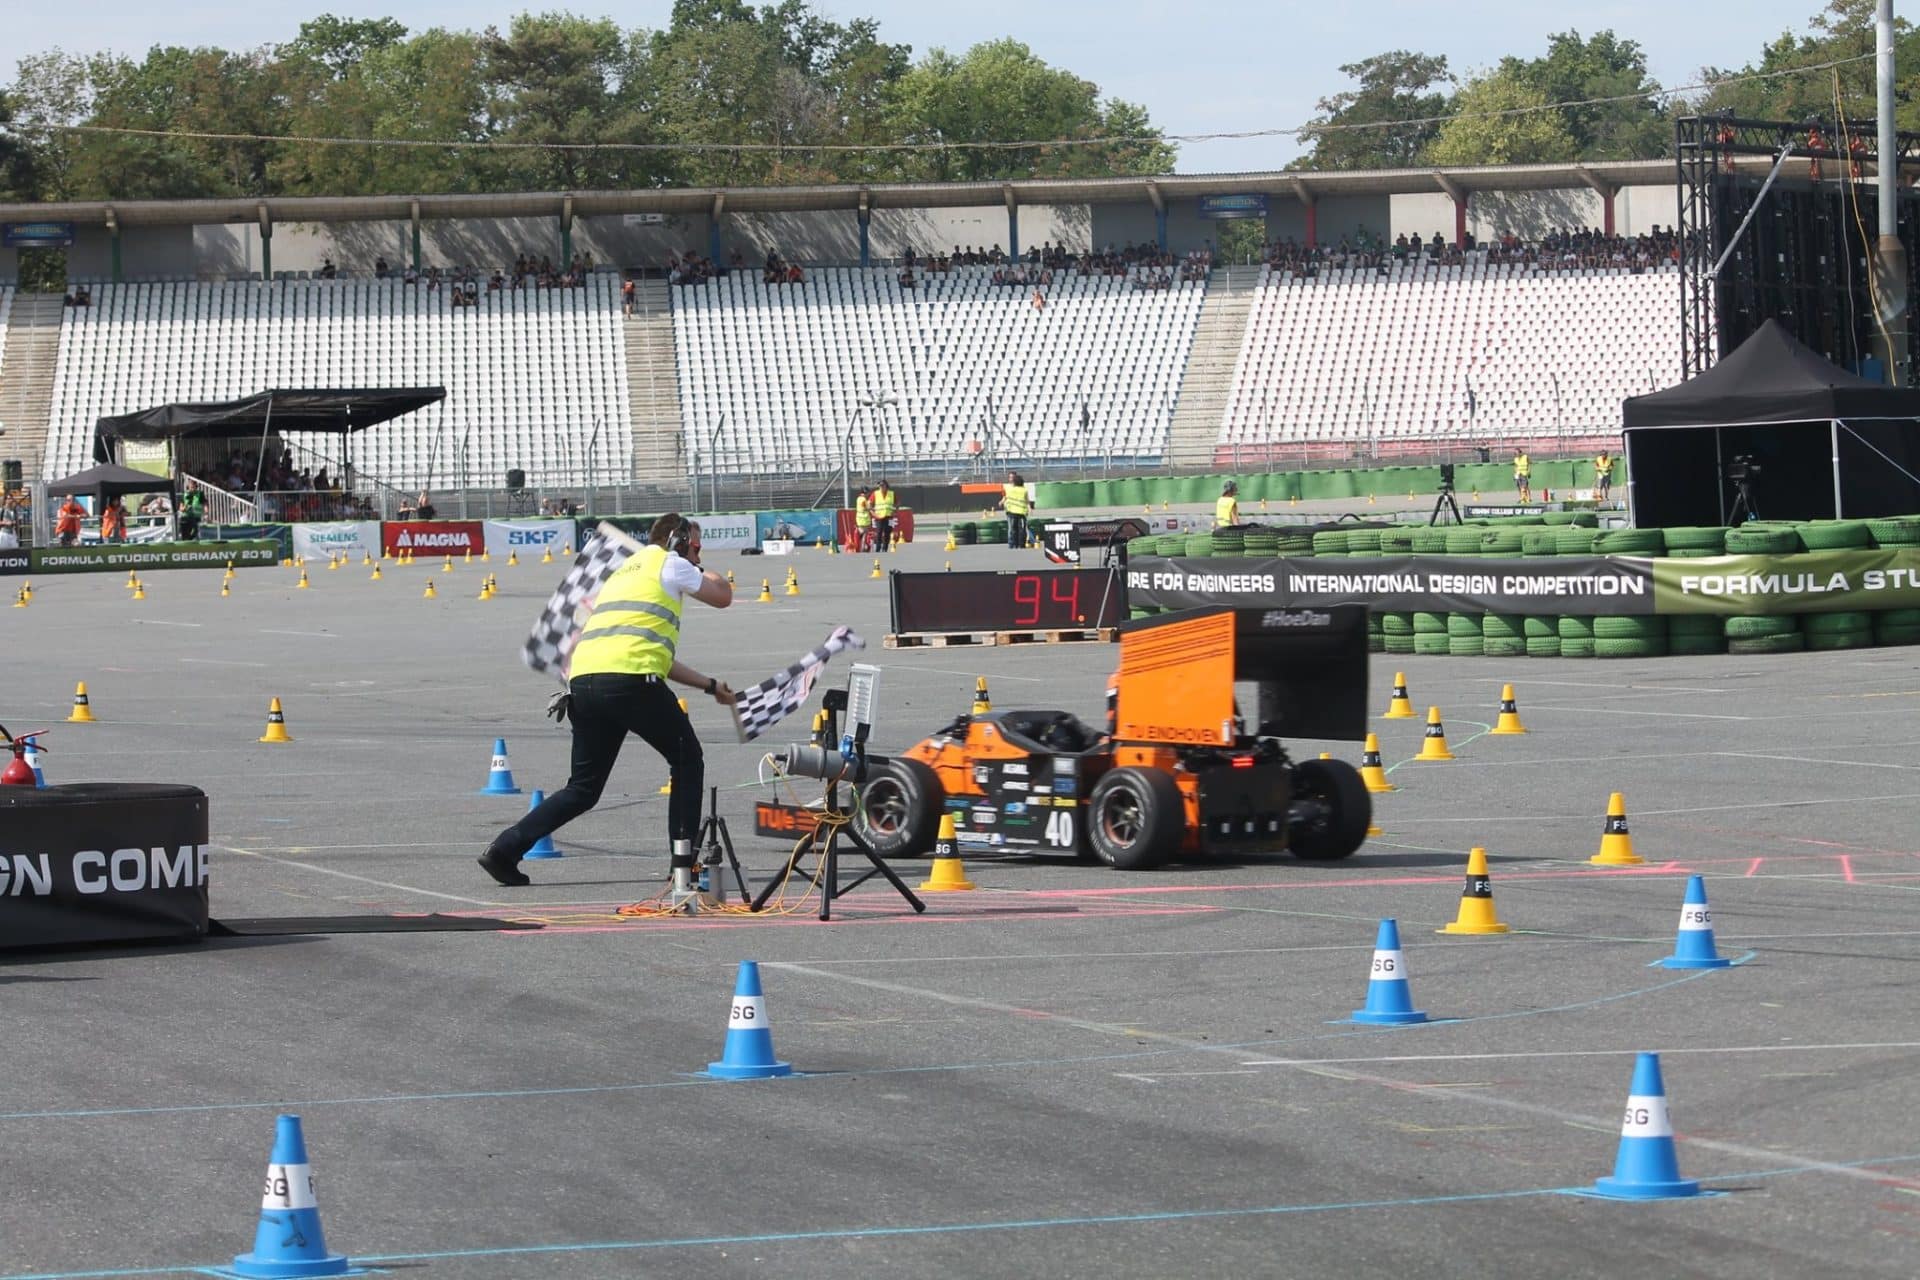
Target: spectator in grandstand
x: 1603, y: 475
x: 1226, y: 509
x: 423, y: 508
x: 113, y: 520
x: 1523, y: 474
x: 906, y: 278
x: 1015, y: 500
x: 67, y: 523
x: 1039, y: 300
x: 772, y: 273
x: 193, y: 508
x: 883, y: 507
x: 327, y: 270
x: 627, y: 653
x: 626, y: 298
x: 380, y: 269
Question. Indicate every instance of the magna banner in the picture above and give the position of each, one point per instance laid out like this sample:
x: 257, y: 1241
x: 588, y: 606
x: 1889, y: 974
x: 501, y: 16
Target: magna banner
x: 1440, y: 584
x: 433, y: 537
x: 351, y: 538
x: 153, y: 555
x: 1813, y: 582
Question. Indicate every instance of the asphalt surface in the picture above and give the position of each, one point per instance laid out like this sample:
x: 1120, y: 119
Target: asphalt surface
x: 1068, y: 1072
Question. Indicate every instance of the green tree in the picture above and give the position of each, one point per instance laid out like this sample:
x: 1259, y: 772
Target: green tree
x: 1580, y: 71
x: 1362, y: 128
x: 558, y: 79
x: 1501, y: 119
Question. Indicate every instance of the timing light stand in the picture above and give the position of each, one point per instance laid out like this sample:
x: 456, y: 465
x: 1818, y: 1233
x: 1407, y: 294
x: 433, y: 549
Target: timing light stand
x: 823, y: 842
x: 1444, y: 503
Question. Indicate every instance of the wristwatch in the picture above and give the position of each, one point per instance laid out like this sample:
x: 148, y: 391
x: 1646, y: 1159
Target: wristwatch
x: 713, y: 683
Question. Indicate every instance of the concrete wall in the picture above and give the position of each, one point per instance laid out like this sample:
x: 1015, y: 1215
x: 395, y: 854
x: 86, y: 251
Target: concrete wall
x: 1533, y: 214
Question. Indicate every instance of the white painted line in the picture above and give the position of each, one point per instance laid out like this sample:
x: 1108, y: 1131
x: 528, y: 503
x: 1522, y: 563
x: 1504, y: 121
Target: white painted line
x: 317, y: 635
x: 1581, y: 1053
x: 1595, y: 684
x: 221, y: 662
x: 1629, y: 711
x: 159, y: 622
x: 348, y: 875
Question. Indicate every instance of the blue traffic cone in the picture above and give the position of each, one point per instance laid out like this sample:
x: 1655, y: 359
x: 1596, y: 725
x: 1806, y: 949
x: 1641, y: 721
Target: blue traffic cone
x: 1646, y: 1168
x: 289, y: 1241
x: 500, y: 776
x: 749, y: 1051
x: 544, y: 846
x: 1389, y: 999
x: 32, y: 758
x: 1693, y: 947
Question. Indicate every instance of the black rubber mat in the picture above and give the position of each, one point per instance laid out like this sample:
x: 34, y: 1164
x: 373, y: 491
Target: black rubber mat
x: 279, y: 926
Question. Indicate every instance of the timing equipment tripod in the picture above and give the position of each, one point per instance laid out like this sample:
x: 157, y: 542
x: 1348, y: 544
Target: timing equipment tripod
x: 1742, y: 502
x: 715, y: 845
x: 1444, y: 503
x: 823, y: 841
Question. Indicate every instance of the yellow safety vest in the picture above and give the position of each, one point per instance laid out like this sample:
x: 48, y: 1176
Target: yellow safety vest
x: 1603, y: 466
x: 1016, y: 498
x: 1522, y: 465
x: 862, y: 512
x: 883, y: 501
x: 635, y: 626
x: 1226, y: 511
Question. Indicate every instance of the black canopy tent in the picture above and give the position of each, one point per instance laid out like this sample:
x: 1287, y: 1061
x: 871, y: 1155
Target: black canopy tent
x: 108, y: 480
x: 1820, y: 442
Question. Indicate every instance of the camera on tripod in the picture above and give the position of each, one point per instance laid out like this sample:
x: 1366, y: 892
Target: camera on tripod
x: 1446, y: 477
x: 1741, y: 468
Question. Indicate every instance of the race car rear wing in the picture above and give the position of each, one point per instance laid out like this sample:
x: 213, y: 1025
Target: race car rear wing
x: 1178, y: 671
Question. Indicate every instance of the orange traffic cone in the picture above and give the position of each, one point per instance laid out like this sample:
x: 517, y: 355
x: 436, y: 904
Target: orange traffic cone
x: 276, y: 724
x: 1616, y: 842
x: 1435, y: 746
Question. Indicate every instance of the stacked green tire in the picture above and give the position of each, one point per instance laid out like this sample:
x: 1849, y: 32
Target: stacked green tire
x: 1696, y: 542
x: 1462, y: 540
x: 1843, y: 629
x: 1430, y: 633
x: 1227, y: 542
x: 1330, y: 542
x: 1573, y: 540
x: 1376, y: 633
x: 1836, y: 535
x: 966, y: 534
x: 1198, y: 544
x: 1752, y: 633
x: 1294, y: 541
x: 1897, y: 531
x: 1508, y: 541
x: 1464, y: 636
x: 1363, y: 542
x: 1695, y: 634
x: 1260, y: 544
x: 1397, y: 540
x: 1629, y: 542
x: 1542, y: 636
x: 1171, y: 544
x: 1429, y: 540
x: 1896, y: 626
x: 993, y: 533
x: 1543, y: 541
x: 1396, y: 631
x: 1576, y: 636
x: 1632, y: 636
x: 1505, y: 636
x: 1755, y: 539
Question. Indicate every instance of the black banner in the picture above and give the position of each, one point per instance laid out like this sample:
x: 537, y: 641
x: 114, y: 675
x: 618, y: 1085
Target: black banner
x: 1440, y: 584
x: 113, y: 557
x: 15, y: 560
x: 102, y: 862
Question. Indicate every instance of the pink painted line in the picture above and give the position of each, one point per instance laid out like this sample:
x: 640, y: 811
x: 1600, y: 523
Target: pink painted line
x: 1846, y: 866
x: 811, y: 919
x: 1670, y: 868
x: 1754, y: 865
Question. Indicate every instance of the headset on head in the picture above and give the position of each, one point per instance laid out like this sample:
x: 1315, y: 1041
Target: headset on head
x: 682, y: 537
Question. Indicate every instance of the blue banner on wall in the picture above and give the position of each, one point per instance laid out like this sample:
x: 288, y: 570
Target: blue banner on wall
x: 1250, y: 205
x: 806, y: 528
x: 36, y: 235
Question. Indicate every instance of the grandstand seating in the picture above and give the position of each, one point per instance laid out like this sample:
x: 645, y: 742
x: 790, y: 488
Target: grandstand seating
x: 1356, y: 355
x: 528, y: 373
x: 786, y: 365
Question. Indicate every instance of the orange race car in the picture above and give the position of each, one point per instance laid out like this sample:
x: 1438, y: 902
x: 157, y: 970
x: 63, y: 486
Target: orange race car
x: 1178, y: 771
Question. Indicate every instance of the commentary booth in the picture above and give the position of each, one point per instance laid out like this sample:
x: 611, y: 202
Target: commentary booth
x: 1773, y: 431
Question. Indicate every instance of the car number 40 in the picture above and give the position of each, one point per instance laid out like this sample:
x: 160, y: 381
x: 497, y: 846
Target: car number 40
x: 1059, y: 832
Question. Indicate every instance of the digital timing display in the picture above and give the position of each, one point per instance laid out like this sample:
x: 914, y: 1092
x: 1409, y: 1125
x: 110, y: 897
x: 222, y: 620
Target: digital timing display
x: 1010, y: 600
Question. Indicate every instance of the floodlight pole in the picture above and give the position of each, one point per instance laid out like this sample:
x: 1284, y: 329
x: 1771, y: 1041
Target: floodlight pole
x: 1890, y: 257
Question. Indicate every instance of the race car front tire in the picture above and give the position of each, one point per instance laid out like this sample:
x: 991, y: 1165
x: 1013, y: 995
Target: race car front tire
x: 900, y: 809
x: 1135, y: 819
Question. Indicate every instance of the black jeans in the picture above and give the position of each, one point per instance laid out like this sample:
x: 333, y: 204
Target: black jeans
x: 1016, y: 531
x: 882, y: 532
x: 606, y: 708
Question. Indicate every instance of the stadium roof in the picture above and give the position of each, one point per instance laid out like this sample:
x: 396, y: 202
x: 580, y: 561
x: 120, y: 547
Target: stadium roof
x: 1306, y: 186
x: 338, y: 411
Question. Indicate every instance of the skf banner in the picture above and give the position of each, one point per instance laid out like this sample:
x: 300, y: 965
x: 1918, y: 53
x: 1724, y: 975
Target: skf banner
x: 1441, y: 584
x: 728, y: 532
x: 520, y: 537
x: 434, y: 537
x: 1813, y: 582
x: 352, y: 538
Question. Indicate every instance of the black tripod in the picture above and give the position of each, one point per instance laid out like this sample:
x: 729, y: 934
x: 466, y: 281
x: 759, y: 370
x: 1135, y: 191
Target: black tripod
x: 1743, y: 502
x: 824, y: 840
x: 1444, y: 504
x: 715, y: 845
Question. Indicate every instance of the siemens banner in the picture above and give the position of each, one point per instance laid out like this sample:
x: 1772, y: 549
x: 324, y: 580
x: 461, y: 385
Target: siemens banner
x: 355, y: 539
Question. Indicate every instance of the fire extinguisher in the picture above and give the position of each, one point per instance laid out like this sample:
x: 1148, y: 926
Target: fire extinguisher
x: 18, y: 772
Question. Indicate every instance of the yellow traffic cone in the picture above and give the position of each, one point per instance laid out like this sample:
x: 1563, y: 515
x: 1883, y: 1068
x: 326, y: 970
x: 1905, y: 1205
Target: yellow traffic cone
x: 1373, y: 826
x: 486, y: 556
x: 1435, y: 746
x: 1370, y: 771
x: 766, y: 592
x: 1263, y: 506
x: 951, y: 544
x: 225, y: 591
x: 566, y: 548
x: 548, y: 557
x: 1294, y: 500
x: 1616, y: 842
x: 375, y: 576
x: 1476, y: 914
x: 82, y: 712
x: 133, y: 579
x: 469, y: 559
x: 486, y: 590
x: 276, y: 724
x: 793, y: 583
x: 1399, y: 707
x: 876, y: 571
x: 366, y: 558
x: 1371, y: 502
x: 139, y: 591
x: 429, y: 593
x: 949, y: 566
x: 949, y: 873
x: 302, y: 584
x: 513, y: 558
x: 981, y: 703
x: 448, y: 566
x: 729, y: 577
x: 27, y: 591
x: 1509, y: 713
x: 20, y: 599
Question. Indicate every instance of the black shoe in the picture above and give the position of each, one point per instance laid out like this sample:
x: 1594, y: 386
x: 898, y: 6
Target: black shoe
x: 503, y: 869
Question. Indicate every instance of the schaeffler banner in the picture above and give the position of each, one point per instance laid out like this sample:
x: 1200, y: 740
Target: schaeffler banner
x: 1815, y: 582
x: 355, y: 539
x: 434, y: 537
x: 1440, y: 584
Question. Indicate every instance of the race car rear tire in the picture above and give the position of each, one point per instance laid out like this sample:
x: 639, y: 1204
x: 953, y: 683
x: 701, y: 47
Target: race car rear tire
x: 900, y: 809
x: 1340, y: 806
x: 1135, y: 819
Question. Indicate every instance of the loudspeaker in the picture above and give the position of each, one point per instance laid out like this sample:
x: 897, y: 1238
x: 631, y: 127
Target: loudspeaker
x: 516, y: 480
x: 10, y: 474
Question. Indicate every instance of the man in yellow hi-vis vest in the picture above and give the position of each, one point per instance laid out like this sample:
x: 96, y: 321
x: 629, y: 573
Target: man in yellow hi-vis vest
x: 1013, y: 497
x: 1603, y: 475
x: 862, y: 521
x: 1226, y: 508
x: 617, y: 684
x: 883, y: 507
x: 1523, y: 474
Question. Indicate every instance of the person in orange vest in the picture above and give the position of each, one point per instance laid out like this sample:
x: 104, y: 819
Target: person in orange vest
x: 113, y: 521
x: 68, y: 526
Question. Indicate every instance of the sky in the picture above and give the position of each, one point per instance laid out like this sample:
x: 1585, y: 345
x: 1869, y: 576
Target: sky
x: 1199, y: 66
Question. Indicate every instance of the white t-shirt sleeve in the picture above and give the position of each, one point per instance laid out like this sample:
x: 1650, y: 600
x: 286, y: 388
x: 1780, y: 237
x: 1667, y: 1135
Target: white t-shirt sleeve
x: 680, y: 576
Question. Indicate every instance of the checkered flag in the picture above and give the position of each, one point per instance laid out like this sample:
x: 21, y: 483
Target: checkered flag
x: 550, y: 646
x: 766, y: 704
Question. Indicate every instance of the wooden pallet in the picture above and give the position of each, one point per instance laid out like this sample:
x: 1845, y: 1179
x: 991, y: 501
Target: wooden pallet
x: 957, y: 639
